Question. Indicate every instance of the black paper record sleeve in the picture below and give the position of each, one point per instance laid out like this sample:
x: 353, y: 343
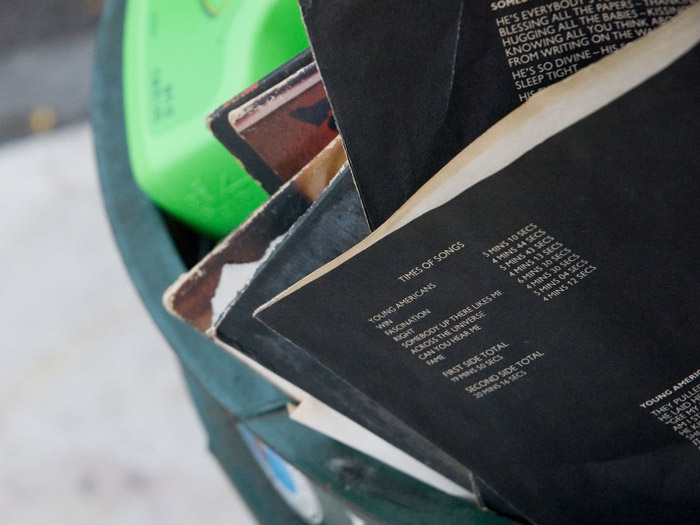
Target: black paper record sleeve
x: 542, y: 326
x: 413, y: 83
x: 333, y: 224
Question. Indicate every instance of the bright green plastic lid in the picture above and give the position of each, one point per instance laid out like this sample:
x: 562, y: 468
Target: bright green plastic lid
x: 183, y: 59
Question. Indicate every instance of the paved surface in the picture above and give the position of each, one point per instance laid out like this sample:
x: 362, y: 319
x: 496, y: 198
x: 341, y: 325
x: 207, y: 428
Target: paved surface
x: 95, y: 423
x: 46, y: 50
x: 24, y: 23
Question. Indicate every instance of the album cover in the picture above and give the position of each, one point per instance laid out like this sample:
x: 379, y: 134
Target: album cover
x: 420, y: 83
x: 284, y: 127
x: 202, y: 294
x: 531, y: 311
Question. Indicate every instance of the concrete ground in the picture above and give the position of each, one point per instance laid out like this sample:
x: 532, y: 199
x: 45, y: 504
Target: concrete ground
x: 46, y: 50
x: 95, y: 423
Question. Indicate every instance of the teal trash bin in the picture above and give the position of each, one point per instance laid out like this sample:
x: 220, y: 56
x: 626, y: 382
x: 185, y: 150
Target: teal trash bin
x: 286, y: 472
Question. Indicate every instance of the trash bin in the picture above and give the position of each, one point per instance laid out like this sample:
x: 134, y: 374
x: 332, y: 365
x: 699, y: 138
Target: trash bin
x: 286, y: 472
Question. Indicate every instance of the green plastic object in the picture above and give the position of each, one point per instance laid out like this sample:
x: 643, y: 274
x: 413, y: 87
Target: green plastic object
x: 181, y: 60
